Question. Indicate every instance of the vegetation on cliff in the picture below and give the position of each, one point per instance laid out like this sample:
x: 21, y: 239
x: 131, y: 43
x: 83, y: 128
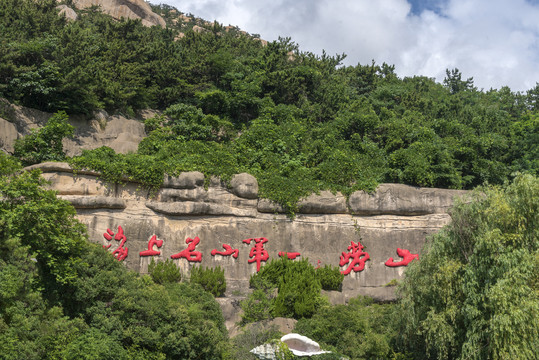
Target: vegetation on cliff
x: 297, y: 121
x: 62, y: 297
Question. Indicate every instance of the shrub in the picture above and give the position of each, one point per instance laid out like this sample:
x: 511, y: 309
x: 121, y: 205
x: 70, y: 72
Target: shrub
x: 164, y: 272
x: 259, y: 304
x: 45, y: 144
x: 330, y: 277
x: 298, y: 289
x: 360, y: 330
x: 211, y: 279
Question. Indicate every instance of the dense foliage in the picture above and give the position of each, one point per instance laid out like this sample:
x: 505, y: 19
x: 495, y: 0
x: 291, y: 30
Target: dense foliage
x: 44, y: 144
x: 62, y: 297
x: 212, y: 280
x: 475, y: 293
x: 360, y: 329
x: 164, y: 272
x: 298, y: 286
x: 297, y: 121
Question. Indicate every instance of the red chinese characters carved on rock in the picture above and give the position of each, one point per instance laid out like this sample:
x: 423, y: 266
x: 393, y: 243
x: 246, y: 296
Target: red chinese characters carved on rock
x: 406, y: 258
x: 228, y: 251
x: 151, y: 252
x: 290, y: 255
x: 358, y: 257
x: 190, y: 254
x: 120, y: 253
x: 257, y: 253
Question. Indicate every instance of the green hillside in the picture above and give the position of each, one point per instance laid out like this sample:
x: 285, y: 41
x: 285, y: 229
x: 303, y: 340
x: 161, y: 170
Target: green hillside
x: 297, y: 121
x: 300, y: 123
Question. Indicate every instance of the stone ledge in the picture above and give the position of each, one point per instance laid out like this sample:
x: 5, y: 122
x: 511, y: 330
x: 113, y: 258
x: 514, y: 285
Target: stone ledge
x: 404, y: 200
x: 323, y: 203
x: 62, y: 167
x: 94, y: 202
x: 198, y: 208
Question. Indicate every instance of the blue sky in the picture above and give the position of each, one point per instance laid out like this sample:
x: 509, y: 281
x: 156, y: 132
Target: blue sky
x: 494, y: 41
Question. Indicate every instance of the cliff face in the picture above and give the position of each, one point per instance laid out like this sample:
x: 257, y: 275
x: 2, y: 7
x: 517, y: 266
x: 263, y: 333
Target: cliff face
x: 130, y: 9
x: 394, y: 217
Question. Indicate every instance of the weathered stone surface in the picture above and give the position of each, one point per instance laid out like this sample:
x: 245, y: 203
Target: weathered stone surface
x: 244, y: 185
x: 186, y: 180
x: 8, y: 135
x: 121, y: 134
x: 268, y: 206
x: 68, y: 12
x: 129, y: 9
x: 230, y: 307
x: 117, y: 132
x: 198, y: 208
x: 199, y: 29
x: 402, y: 200
x: 94, y: 202
x: 220, y: 217
x: 61, y: 167
x: 67, y: 184
x: 23, y: 119
x: 323, y: 203
x: 216, y: 195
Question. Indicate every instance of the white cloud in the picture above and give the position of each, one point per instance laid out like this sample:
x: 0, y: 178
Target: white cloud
x: 495, y: 41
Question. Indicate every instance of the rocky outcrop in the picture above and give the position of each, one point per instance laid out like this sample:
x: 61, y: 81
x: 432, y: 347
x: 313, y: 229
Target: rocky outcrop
x: 398, y: 199
x: 323, y: 203
x: 93, y: 202
x: 326, y: 226
x: 245, y: 186
x: 68, y: 12
x: 129, y: 9
x: 101, y: 129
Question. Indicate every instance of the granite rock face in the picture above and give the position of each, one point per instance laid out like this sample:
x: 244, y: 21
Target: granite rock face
x: 394, y: 216
x: 101, y: 129
x: 129, y: 9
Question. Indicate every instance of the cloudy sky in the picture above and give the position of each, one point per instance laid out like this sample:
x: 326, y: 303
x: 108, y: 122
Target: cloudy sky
x: 494, y: 41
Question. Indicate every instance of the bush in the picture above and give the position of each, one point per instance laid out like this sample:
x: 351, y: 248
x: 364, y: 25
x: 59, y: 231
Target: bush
x: 330, y: 277
x: 164, y: 272
x: 474, y: 293
x: 298, y: 289
x: 259, y: 304
x: 45, y: 144
x: 360, y: 330
x: 211, y: 279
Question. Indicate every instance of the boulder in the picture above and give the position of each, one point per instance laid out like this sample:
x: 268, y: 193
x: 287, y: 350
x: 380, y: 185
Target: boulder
x: 129, y: 9
x: 186, y: 180
x: 68, y: 12
x: 323, y: 203
x: 244, y: 185
x: 8, y: 135
x: 268, y: 206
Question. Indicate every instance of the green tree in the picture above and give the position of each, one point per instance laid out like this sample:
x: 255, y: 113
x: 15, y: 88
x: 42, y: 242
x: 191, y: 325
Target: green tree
x: 453, y: 81
x: 475, y: 292
x: 164, y: 272
x: 45, y: 144
x: 211, y: 279
x: 359, y: 329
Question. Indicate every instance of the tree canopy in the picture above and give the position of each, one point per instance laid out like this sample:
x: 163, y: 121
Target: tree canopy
x: 475, y: 293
